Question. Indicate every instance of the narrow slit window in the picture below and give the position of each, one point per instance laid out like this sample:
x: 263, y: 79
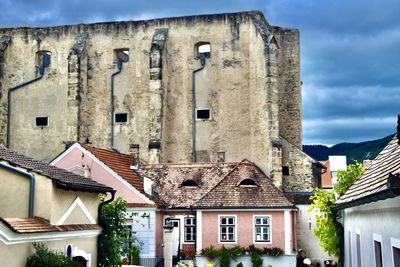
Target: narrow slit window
x: 122, y: 55
x: 121, y: 117
x: 203, y: 114
x: 378, y: 253
x: 42, y: 121
x: 203, y: 48
x: 43, y: 59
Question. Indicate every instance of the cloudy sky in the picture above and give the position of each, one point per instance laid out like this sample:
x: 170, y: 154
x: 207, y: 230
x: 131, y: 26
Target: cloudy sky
x: 350, y: 51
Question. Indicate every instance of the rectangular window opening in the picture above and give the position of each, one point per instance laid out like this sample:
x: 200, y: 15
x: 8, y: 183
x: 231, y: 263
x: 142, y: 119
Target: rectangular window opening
x: 203, y: 114
x: 350, y: 259
x: 262, y: 229
x: 42, y: 121
x: 285, y: 170
x: 190, y: 229
x: 378, y: 253
x: 227, y: 229
x: 122, y: 55
x: 121, y: 117
x: 396, y: 256
x: 358, y: 250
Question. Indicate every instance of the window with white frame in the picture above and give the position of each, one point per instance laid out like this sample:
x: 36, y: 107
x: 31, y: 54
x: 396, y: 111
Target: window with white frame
x: 227, y: 226
x: 262, y: 229
x: 190, y: 229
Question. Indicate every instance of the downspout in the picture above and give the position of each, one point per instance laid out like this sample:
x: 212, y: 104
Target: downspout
x: 41, y: 71
x: 119, y: 66
x: 202, y: 63
x: 31, y: 186
x: 100, y: 214
x: 340, y: 228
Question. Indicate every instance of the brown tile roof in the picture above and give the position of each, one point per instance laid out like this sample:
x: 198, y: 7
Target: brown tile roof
x: 119, y: 163
x: 169, y: 177
x: 62, y: 178
x: 140, y: 205
x: 375, y: 178
x: 228, y: 194
x: 40, y: 225
x: 217, y: 185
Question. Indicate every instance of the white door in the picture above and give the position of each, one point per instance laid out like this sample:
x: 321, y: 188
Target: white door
x: 175, y: 234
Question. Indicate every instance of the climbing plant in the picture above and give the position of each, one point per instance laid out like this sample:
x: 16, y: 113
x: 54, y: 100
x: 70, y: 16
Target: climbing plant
x: 323, y: 200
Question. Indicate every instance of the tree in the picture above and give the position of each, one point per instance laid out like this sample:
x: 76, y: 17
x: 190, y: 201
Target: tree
x: 324, y: 200
x: 114, y: 234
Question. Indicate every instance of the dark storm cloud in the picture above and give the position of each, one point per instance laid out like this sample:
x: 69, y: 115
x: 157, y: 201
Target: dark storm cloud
x: 350, y: 51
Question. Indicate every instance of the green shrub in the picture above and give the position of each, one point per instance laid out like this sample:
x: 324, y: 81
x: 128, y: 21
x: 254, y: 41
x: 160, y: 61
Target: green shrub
x: 240, y: 264
x: 274, y: 251
x: 224, y: 257
x: 210, y: 252
x: 255, y: 256
x: 44, y: 256
x: 236, y: 251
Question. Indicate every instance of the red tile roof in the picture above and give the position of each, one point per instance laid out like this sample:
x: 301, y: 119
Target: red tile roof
x: 40, y: 225
x: 119, y: 163
x: 217, y: 185
x: 62, y: 178
x: 376, y: 176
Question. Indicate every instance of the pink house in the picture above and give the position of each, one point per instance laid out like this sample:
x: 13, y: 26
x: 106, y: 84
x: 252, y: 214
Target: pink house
x: 218, y: 204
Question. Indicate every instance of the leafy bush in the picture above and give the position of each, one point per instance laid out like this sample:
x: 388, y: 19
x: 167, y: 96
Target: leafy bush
x: 274, y: 251
x: 224, y: 257
x: 114, y: 233
x: 236, y: 251
x: 210, y: 252
x: 44, y: 256
x: 255, y: 256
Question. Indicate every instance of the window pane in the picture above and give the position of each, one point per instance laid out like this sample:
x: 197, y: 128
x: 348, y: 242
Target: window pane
x: 230, y: 220
x: 223, y: 220
x: 258, y: 220
x: 230, y: 229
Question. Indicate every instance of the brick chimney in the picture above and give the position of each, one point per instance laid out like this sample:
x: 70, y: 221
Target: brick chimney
x: 154, y: 151
x: 134, y: 155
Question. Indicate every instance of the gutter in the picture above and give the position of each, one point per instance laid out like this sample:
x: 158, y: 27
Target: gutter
x: 202, y: 63
x: 100, y: 213
x: 31, y: 185
x: 41, y: 71
x: 119, y: 66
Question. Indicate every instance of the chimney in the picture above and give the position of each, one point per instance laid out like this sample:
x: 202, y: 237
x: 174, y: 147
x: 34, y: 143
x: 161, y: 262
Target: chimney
x: 134, y: 154
x: 221, y: 156
x: 154, y: 151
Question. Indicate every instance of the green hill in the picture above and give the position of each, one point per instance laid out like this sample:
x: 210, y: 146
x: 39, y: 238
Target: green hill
x: 353, y: 151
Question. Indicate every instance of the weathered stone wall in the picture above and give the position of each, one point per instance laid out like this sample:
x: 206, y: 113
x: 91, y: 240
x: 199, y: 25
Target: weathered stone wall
x: 250, y: 83
x: 304, y: 174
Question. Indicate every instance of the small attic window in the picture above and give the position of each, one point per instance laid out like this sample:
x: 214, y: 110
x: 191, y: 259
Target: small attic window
x: 248, y: 182
x: 43, y: 59
x: 203, y: 114
x: 285, y: 170
x: 189, y: 183
x: 122, y: 55
x: 203, y: 48
x: 121, y: 117
x: 42, y: 122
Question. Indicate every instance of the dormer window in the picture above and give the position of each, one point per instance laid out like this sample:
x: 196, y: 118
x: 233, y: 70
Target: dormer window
x: 189, y: 183
x: 248, y: 182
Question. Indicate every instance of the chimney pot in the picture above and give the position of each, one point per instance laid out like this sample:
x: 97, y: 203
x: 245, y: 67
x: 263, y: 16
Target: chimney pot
x: 134, y: 154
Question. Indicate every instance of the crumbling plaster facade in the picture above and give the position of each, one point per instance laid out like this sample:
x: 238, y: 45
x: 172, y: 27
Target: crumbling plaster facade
x: 250, y: 83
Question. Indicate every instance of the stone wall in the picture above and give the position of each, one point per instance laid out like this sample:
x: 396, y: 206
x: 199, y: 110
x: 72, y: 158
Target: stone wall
x: 250, y: 83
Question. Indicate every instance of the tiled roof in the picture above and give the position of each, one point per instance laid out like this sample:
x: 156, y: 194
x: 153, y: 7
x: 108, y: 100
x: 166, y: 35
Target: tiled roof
x: 140, y: 205
x: 229, y: 194
x: 40, y: 225
x: 375, y: 178
x: 216, y: 185
x: 300, y: 197
x: 62, y: 178
x: 119, y: 163
x: 169, y: 177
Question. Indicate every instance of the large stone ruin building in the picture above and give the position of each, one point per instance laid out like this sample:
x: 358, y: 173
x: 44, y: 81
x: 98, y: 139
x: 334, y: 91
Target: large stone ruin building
x: 195, y: 88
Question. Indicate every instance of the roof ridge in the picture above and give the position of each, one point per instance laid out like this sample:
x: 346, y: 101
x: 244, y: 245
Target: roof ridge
x: 223, y: 178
